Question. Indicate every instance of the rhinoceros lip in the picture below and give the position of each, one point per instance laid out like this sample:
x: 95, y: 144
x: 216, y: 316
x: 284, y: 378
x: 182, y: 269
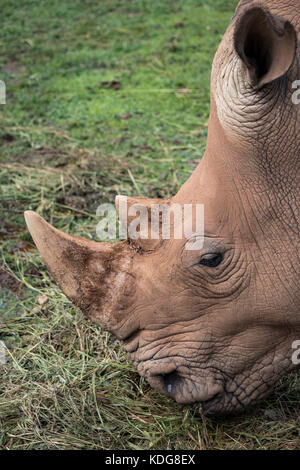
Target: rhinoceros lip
x: 131, y: 343
x: 211, y: 404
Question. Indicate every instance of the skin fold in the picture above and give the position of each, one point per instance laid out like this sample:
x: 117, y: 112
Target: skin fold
x: 216, y: 325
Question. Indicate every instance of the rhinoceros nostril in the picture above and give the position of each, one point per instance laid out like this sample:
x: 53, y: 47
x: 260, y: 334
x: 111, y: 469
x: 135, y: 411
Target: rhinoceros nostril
x: 170, y: 380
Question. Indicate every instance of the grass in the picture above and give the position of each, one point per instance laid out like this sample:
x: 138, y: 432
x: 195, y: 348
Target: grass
x: 103, y: 98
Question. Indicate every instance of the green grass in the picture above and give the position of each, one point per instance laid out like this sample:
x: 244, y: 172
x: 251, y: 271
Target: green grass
x: 94, y: 109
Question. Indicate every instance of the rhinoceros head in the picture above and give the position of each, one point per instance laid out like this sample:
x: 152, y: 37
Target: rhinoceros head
x: 214, y: 324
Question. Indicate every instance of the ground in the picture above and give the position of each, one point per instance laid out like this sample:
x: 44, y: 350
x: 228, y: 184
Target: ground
x: 103, y: 98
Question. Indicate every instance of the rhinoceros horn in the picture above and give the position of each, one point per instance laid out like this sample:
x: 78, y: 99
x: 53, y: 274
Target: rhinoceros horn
x: 92, y: 275
x: 95, y: 276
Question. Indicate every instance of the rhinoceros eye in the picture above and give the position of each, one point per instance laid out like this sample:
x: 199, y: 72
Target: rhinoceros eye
x: 212, y: 260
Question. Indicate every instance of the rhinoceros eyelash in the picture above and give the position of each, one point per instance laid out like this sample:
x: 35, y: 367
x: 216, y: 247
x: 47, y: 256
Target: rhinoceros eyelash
x: 211, y: 260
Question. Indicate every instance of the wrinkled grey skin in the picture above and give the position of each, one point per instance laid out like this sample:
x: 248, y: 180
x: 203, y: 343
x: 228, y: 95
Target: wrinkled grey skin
x: 219, y: 335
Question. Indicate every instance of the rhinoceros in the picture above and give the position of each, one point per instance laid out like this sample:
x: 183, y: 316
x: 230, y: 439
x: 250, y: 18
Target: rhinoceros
x: 215, y: 325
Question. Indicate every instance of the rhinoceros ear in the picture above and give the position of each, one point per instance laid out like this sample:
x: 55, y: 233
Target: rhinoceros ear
x: 141, y: 220
x: 91, y: 274
x: 266, y: 44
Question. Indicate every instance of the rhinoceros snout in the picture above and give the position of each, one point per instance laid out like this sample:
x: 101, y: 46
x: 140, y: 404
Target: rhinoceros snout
x: 185, y: 390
